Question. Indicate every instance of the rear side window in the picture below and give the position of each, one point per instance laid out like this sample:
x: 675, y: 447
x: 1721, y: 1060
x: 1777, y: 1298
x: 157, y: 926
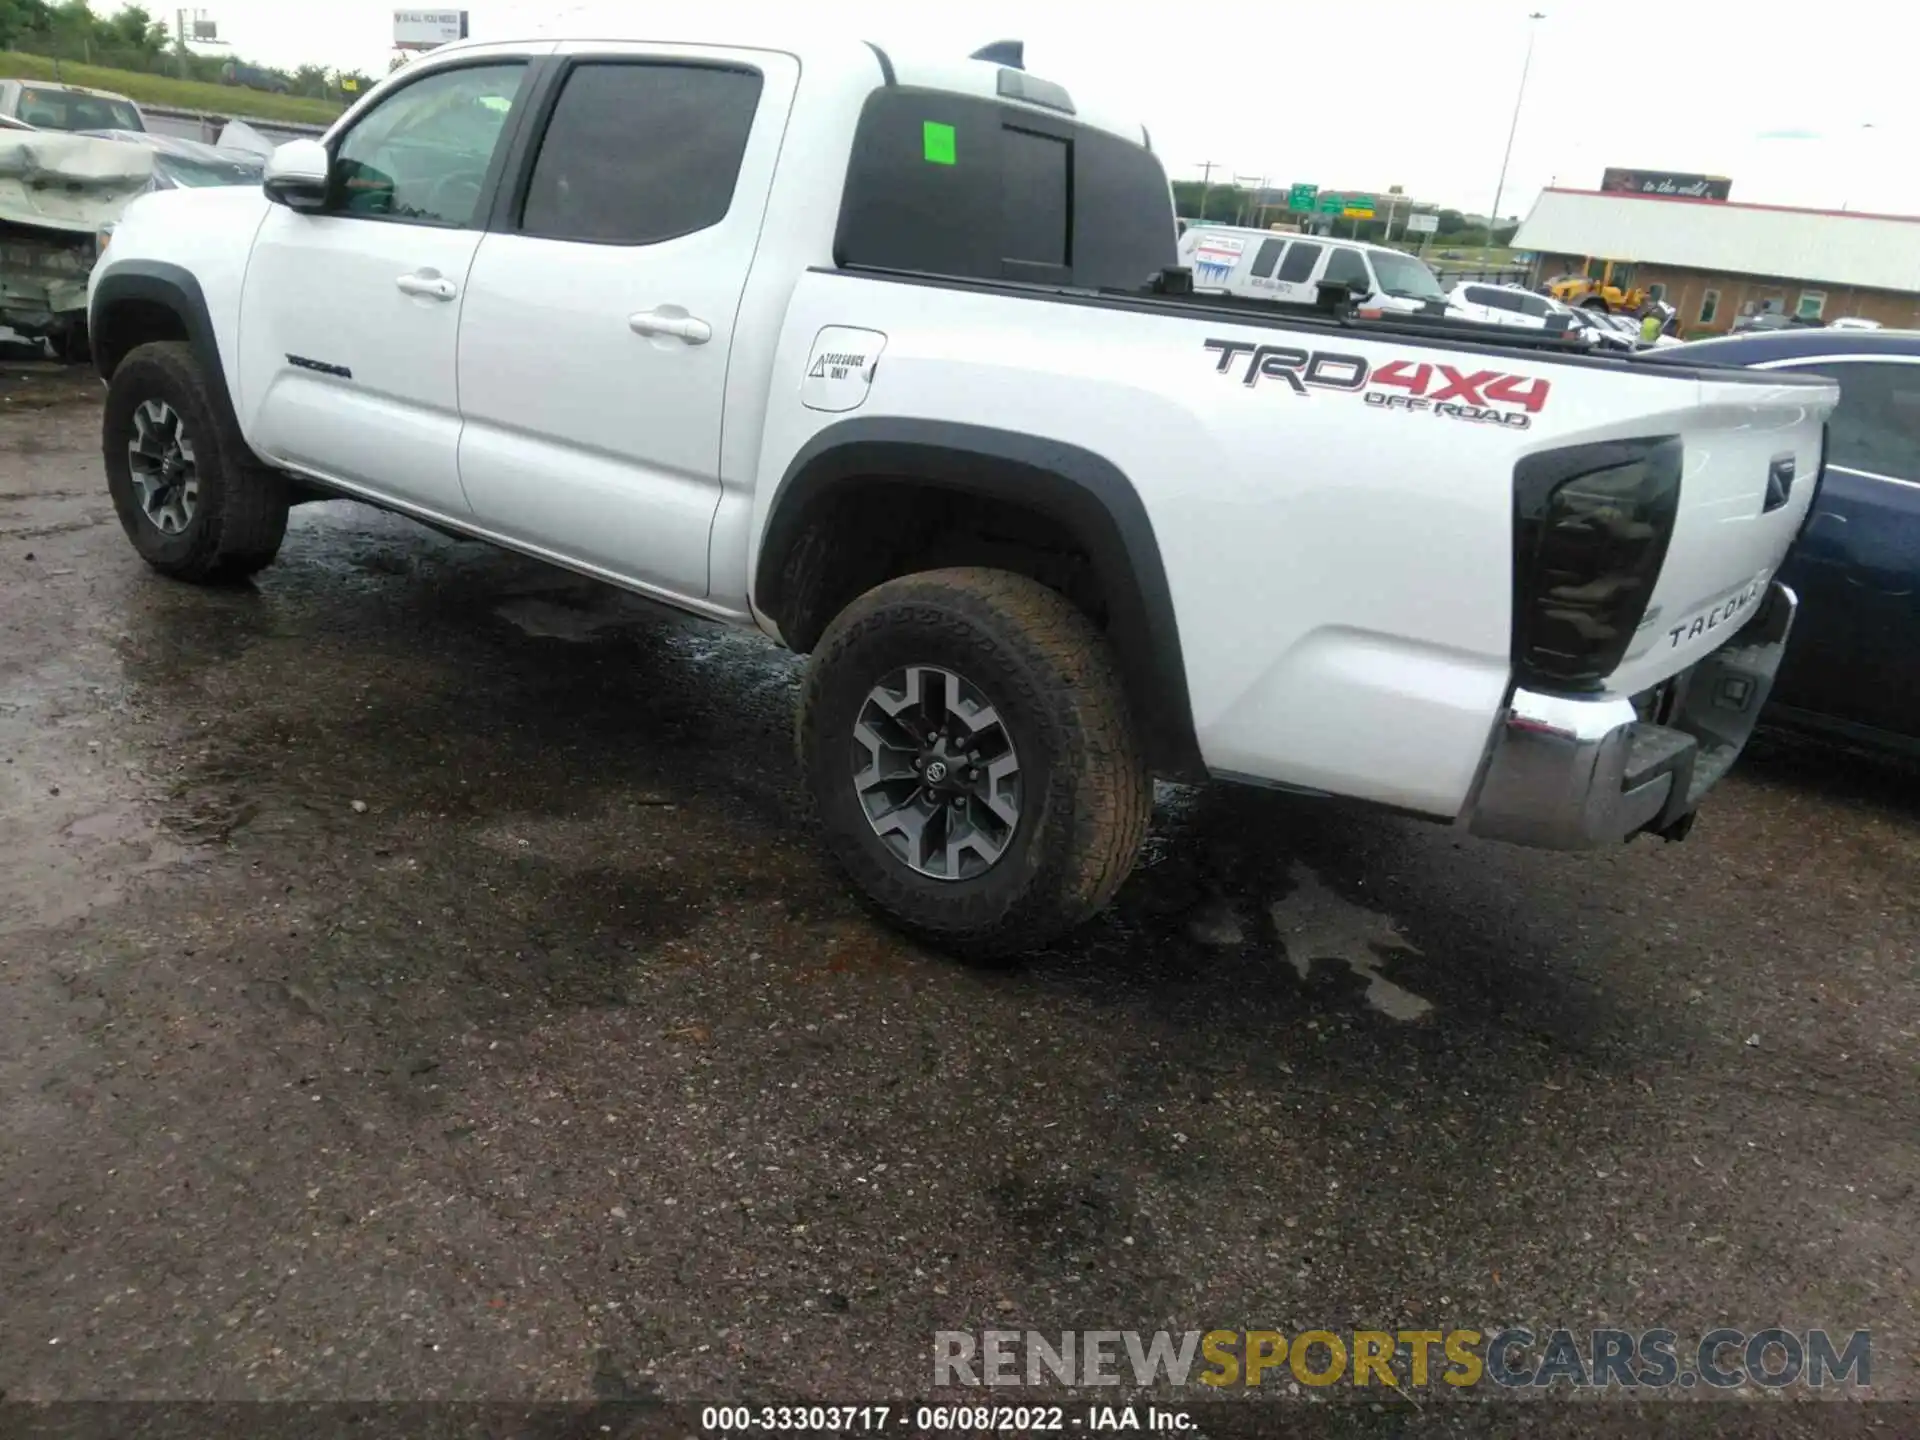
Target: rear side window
x: 637, y: 153
x: 1268, y: 257
x: 1346, y: 267
x: 1299, y: 262
x: 965, y: 186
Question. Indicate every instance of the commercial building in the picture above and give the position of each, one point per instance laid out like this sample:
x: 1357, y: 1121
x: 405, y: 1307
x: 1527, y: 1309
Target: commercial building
x: 1716, y: 260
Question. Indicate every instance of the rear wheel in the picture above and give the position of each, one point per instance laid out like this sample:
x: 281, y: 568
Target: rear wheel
x: 1596, y: 303
x: 969, y: 749
x: 189, y: 493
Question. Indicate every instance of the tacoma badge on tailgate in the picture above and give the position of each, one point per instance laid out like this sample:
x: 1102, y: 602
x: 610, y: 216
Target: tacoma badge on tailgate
x: 1720, y: 612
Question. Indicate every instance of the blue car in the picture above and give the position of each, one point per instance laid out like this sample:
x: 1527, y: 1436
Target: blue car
x: 1853, y: 666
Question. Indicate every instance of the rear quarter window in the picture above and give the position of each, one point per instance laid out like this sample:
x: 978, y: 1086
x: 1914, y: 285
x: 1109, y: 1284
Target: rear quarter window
x: 959, y: 185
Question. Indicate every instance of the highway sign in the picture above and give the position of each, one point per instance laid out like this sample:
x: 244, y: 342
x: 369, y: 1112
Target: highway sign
x: 1359, y: 207
x: 1426, y: 224
x: 1300, y: 197
x: 1332, y: 204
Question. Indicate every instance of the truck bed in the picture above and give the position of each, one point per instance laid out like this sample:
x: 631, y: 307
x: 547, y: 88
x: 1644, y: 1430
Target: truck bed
x: 1334, y: 497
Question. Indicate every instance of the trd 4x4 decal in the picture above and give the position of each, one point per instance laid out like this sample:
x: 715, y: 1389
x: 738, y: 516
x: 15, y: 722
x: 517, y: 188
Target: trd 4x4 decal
x: 1488, y: 397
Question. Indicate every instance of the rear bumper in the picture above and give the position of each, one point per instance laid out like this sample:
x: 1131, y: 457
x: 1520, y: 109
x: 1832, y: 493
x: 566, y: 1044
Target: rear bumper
x: 1574, y: 773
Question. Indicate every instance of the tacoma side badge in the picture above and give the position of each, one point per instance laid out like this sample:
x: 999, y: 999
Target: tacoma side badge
x: 840, y: 368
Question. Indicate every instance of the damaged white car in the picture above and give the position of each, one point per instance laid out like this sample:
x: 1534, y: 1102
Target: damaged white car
x: 60, y: 195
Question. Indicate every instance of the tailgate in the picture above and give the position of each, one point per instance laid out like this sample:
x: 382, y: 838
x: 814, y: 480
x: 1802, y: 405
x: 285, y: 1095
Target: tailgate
x: 1753, y: 452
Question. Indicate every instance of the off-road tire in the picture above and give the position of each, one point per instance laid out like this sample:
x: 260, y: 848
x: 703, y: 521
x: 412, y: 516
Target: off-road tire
x: 1087, y: 794
x: 240, y: 516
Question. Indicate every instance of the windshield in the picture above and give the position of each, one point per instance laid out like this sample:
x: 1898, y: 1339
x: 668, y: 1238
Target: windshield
x: 1405, y: 276
x: 71, y: 110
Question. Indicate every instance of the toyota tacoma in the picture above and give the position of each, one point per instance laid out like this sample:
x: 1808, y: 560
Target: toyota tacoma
x: 892, y: 359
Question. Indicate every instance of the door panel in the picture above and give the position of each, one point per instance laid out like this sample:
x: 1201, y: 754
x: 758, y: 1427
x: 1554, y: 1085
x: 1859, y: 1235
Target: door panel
x: 349, y: 322
x: 596, y: 332
x: 1856, y: 567
x: 360, y: 377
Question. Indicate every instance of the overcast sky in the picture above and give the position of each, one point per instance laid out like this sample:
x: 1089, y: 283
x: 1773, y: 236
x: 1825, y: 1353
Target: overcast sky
x: 1800, y: 105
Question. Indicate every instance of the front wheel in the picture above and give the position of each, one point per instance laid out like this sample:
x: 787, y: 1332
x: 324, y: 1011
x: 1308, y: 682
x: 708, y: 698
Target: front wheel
x: 972, y: 757
x: 1596, y: 303
x: 191, y: 496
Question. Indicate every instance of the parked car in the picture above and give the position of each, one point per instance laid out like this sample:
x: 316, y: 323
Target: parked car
x: 1611, y: 332
x: 1517, y: 305
x: 1854, y: 664
x: 60, y: 197
x: 254, y: 77
x: 178, y: 162
x: 1772, y: 320
x: 1529, y: 309
x: 67, y: 107
x: 889, y: 357
x: 1511, y: 304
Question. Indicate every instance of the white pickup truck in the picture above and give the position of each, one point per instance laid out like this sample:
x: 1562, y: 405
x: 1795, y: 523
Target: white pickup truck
x: 891, y: 359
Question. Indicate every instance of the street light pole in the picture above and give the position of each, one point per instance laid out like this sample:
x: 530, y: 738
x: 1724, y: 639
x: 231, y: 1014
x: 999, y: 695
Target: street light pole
x: 1493, y: 218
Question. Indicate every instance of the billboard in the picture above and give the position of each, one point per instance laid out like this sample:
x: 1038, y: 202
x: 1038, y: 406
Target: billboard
x: 1664, y: 182
x: 424, y: 29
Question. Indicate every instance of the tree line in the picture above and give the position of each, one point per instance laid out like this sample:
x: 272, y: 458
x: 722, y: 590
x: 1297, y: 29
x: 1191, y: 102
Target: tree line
x: 132, y: 39
x: 1237, y: 205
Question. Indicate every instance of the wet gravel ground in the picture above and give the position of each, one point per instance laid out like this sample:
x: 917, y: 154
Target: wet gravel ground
x: 417, y: 980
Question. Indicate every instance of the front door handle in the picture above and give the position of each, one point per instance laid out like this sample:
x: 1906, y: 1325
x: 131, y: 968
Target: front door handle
x: 428, y: 285
x: 671, y: 320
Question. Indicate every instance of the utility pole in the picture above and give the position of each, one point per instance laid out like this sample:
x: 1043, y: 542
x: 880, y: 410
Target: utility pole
x: 1206, y: 186
x: 180, y: 39
x: 1493, y: 219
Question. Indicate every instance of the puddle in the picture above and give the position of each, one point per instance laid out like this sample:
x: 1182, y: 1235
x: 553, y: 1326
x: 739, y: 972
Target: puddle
x: 1314, y: 923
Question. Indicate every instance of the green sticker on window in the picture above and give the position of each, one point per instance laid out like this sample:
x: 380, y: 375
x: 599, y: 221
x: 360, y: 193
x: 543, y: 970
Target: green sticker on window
x: 938, y: 140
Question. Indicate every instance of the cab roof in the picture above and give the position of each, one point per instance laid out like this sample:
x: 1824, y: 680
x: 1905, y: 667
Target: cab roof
x: 839, y: 58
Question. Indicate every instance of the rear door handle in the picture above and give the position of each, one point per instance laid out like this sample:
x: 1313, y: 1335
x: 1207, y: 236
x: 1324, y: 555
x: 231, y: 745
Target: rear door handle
x: 427, y: 285
x: 671, y: 320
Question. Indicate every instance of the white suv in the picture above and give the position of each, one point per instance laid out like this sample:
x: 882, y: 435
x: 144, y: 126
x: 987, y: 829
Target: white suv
x: 1511, y: 304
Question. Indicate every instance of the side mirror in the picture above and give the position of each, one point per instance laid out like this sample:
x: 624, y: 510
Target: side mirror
x: 297, y: 174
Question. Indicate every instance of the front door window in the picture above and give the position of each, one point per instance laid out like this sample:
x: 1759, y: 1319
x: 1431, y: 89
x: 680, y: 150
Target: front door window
x: 422, y: 155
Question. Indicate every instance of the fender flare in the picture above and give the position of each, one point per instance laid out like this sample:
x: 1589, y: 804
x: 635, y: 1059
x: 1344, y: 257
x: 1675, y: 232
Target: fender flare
x: 1082, y: 491
x: 158, y: 283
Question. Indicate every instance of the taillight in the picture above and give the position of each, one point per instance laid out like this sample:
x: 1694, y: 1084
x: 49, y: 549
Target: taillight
x: 1591, y: 524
